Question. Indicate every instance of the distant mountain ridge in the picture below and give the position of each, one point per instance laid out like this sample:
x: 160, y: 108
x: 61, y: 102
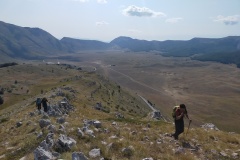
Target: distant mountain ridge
x: 35, y: 43
x: 74, y: 45
x: 181, y: 48
x: 27, y: 43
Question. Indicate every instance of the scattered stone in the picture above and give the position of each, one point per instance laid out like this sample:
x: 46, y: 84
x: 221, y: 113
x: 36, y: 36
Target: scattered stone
x: 210, y: 126
x: 146, y: 138
x: 40, y: 153
x: 119, y: 115
x: 23, y: 158
x: 98, y: 106
x: 90, y: 132
x: 128, y: 152
x: 159, y: 141
x: 133, y: 133
x: 2, y: 156
x: 28, y: 123
x: 39, y: 135
x: 44, y: 122
x: 18, y: 124
x: 50, y: 140
x: 45, y: 145
x: 148, y: 158
x: 62, y: 129
x: 80, y: 132
x: 222, y: 153
x: 156, y: 115
x: 52, y: 128
x: 78, y: 156
x: 65, y: 143
x: 148, y: 125
x: 45, y: 116
x: 97, y: 124
x: 94, y: 153
x: 61, y: 120
x: 179, y: 150
x: 114, y: 123
x: 235, y: 155
x: 56, y: 154
x: 32, y: 114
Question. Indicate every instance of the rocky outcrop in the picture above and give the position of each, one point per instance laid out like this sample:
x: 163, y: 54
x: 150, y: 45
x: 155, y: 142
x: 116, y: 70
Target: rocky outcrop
x: 209, y: 126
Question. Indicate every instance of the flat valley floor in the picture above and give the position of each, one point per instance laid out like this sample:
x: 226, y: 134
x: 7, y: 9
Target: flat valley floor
x: 211, y: 91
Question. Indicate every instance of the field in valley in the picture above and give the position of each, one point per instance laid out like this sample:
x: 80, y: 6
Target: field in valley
x: 211, y: 91
x: 208, y: 89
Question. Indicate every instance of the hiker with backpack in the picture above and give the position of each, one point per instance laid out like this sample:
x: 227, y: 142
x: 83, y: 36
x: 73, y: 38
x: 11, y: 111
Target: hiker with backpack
x: 178, y: 114
x: 38, y: 104
x: 44, y: 103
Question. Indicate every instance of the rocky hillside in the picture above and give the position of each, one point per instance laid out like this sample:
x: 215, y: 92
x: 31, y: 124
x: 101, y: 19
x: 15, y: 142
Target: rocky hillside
x: 90, y: 117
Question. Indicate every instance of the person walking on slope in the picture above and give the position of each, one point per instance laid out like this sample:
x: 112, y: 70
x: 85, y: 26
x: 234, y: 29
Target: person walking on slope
x: 38, y: 104
x: 44, y: 103
x: 179, y: 114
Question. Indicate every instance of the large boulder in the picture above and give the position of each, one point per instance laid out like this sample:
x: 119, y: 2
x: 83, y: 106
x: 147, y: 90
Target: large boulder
x: 42, y: 154
x: 44, y: 122
x: 94, y: 153
x: 65, y: 143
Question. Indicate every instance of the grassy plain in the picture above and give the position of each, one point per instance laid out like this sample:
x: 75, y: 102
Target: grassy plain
x: 211, y: 91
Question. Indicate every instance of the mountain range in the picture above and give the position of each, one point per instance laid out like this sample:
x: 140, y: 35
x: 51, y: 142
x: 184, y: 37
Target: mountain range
x: 35, y: 43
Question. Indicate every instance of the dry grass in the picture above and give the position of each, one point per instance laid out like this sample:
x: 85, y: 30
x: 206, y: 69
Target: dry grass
x: 210, y: 90
x: 147, y: 137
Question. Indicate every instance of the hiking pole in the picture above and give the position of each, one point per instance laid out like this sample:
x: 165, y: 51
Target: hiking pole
x: 188, y: 126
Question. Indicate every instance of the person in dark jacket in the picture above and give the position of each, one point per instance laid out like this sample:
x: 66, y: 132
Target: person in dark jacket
x: 44, y: 103
x: 179, y: 120
x: 38, y: 104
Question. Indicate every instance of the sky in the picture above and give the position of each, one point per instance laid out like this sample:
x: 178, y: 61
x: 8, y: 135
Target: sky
x: 106, y: 20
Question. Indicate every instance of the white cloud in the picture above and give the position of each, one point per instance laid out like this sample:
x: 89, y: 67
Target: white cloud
x: 102, y: 1
x: 229, y: 20
x: 174, y: 20
x: 141, y: 12
x: 101, y: 23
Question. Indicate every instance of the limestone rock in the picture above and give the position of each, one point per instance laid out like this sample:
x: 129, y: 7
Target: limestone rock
x: 94, y: 153
x: 44, y: 122
x: 97, y: 124
x: 40, y: 153
x: 80, y: 132
x: 78, y: 156
x: 65, y: 143
x: 18, y: 124
x: 61, y: 120
x: 52, y: 128
x: 148, y: 158
x: 209, y: 126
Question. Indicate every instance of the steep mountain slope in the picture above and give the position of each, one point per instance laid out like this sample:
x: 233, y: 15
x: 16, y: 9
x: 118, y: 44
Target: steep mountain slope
x: 120, y: 129
x: 28, y: 43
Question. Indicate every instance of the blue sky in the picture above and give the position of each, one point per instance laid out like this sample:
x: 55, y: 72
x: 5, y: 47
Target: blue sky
x: 141, y: 19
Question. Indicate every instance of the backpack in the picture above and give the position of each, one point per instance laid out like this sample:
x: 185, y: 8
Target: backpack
x: 174, y: 111
x: 38, y: 101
